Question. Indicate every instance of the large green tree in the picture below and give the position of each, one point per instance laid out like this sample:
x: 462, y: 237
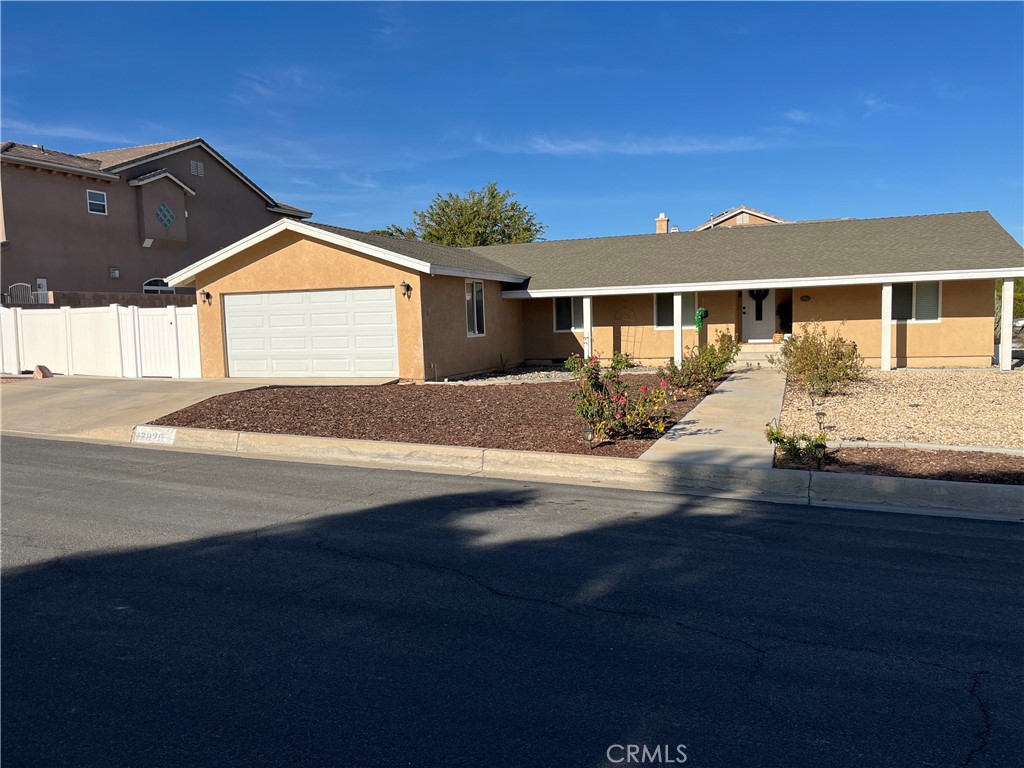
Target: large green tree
x: 487, y: 216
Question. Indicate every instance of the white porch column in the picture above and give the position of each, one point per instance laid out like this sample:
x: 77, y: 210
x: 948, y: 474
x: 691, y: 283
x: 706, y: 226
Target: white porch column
x: 886, y: 327
x: 1006, y: 326
x: 677, y: 328
x: 588, y: 326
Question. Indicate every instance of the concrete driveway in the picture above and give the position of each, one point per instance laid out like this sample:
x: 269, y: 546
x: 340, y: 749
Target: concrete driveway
x: 87, y: 406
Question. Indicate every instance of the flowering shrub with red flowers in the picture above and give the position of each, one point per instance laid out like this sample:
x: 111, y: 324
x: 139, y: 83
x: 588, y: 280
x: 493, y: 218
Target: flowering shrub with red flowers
x: 604, y: 401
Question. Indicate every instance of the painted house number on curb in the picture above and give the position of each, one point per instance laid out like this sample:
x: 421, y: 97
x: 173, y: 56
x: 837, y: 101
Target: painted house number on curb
x: 155, y: 435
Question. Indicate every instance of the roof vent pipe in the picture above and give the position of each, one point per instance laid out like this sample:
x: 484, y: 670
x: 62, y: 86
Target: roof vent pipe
x: 674, y: 229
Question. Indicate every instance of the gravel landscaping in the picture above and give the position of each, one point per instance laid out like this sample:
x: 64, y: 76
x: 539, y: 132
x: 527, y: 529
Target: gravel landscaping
x: 539, y: 417
x: 946, y: 407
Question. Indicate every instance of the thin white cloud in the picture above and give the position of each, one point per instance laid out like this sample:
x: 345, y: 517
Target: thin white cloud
x: 359, y: 182
x: 797, y: 116
x: 874, y: 103
x: 285, y: 85
x: 543, y: 144
x: 77, y: 132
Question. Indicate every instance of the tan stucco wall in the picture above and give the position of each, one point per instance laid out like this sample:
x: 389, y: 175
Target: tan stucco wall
x: 448, y: 350
x: 289, y: 262
x: 963, y: 336
x: 622, y: 324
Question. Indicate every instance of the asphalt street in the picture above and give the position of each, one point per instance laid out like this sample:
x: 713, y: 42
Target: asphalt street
x: 169, y: 608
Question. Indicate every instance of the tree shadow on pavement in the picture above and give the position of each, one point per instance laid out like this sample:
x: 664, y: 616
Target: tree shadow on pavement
x: 500, y: 626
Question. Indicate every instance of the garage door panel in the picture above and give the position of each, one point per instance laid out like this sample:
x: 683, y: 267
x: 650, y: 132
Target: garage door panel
x: 374, y: 342
x: 288, y: 321
x: 289, y: 344
x: 284, y: 299
x: 332, y: 297
x: 348, y: 332
x: 242, y: 322
x: 322, y: 343
x: 365, y: 319
x: 251, y: 345
x: 331, y: 319
x: 240, y: 300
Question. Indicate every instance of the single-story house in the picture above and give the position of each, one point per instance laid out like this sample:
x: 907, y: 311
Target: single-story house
x: 304, y: 299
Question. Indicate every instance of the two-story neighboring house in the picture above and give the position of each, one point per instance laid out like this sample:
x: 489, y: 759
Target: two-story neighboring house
x: 113, y: 221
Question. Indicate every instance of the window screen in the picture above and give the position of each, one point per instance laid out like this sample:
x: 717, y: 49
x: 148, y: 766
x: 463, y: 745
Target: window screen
x: 569, y: 313
x: 663, y: 310
x: 903, y: 301
x: 926, y: 302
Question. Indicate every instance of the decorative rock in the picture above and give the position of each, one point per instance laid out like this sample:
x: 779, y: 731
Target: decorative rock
x: 42, y: 372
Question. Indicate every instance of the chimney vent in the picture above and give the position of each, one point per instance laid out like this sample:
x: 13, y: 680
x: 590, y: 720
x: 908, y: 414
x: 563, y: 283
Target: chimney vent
x: 674, y: 229
x: 661, y: 224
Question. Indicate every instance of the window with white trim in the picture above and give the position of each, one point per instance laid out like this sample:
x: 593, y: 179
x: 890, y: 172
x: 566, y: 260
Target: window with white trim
x: 664, y: 312
x: 96, y: 202
x: 568, y: 314
x: 916, y: 302
x: 474, y: 308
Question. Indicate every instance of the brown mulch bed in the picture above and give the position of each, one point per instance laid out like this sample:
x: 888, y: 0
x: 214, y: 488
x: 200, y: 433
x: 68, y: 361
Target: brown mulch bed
x: 962, y: 466
x: 524, y: 417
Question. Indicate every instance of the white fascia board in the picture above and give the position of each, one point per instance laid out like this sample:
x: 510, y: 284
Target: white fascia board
x: 62, y: 168
x: 801, y: 282
x: 164, y: 175
x: 187, y: 275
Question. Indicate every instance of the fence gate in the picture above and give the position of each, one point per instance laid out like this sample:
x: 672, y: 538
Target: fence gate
x: 102, y: 341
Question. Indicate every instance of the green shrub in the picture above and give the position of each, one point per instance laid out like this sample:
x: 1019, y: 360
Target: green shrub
x: 604, y: 402
x: 820, y: 363
x: 797, y: 447
x: 702, y: 368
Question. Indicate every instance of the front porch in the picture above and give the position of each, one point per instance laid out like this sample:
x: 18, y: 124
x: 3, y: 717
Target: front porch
x: 935, y: 324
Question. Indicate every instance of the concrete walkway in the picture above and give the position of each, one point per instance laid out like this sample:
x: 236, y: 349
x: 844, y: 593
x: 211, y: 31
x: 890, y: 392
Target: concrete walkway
x: 91, y: 405
x: 727, y: 428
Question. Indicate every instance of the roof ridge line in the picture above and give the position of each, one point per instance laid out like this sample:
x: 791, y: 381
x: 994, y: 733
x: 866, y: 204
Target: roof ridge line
x: 139, y: 146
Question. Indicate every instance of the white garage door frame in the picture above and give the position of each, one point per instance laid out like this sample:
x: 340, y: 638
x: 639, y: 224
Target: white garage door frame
x: 345, y: 332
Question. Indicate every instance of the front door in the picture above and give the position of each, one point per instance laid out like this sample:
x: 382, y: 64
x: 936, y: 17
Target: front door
x: 759, y: 314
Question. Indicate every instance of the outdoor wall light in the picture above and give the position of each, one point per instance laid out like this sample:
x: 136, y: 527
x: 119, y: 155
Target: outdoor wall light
x: 114, y: 273
x: 588, y: 437
x: 206, y: 296
x: 406, y: 290
x: 805, y: 297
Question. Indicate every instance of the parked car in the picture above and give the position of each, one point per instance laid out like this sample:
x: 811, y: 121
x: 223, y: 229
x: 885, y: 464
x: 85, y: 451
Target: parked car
x: 1018, y: 325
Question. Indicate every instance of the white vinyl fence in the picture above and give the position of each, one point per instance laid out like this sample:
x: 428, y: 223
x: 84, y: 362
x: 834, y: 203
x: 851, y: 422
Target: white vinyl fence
x: 130, y: 342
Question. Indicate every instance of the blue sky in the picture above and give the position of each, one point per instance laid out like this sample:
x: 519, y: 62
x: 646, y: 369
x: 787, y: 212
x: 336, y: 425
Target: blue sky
x: 599, y: 116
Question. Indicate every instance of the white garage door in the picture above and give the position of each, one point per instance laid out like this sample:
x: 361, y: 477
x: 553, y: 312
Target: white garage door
x: 312, y: 333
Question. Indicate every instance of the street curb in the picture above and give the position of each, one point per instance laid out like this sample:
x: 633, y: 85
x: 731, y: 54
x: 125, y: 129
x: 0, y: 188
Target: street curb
x: 788, y: 486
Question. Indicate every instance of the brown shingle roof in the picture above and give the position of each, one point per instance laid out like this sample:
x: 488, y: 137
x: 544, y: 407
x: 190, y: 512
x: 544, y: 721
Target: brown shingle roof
x: 110, y: 159
x: 29, y: 152
x: 789, y: 251
x: 439, y: 255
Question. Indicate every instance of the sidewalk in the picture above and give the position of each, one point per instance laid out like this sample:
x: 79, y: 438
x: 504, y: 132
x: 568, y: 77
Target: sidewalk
x: 727, y: 428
